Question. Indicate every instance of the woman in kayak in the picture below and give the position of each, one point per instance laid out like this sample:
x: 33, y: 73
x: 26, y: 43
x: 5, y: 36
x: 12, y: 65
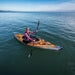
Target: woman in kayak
x: 27, y: 35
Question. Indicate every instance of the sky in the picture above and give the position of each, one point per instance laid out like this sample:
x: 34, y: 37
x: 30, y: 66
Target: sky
x: 37, y: 5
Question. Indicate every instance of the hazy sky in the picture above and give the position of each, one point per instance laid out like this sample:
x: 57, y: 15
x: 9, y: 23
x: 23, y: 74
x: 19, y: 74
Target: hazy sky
x: 37, y: 5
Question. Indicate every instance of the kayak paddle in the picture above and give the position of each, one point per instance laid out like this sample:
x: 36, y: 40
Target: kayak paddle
x: 33, y: 42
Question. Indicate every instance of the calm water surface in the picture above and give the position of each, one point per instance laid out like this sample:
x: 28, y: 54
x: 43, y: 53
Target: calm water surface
x: 57, y: 28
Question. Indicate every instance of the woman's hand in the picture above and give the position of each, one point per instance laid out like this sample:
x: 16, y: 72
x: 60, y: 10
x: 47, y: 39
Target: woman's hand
x: 33, y: 40
x: 36, y: 31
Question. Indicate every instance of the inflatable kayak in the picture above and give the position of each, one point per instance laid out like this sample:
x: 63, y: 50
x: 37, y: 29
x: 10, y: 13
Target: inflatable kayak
x: 40, y: 43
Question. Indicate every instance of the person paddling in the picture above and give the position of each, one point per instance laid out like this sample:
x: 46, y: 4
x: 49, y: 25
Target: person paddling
x: 27, y: 35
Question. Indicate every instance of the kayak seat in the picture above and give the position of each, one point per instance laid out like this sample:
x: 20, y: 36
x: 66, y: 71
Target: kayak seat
x: 25, y: 40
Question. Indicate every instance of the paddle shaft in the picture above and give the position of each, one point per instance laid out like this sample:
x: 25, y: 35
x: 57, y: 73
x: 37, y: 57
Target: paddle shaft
x: 37, y: 26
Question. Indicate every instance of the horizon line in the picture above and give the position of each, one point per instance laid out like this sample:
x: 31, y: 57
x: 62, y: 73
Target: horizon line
x: 35, y: 11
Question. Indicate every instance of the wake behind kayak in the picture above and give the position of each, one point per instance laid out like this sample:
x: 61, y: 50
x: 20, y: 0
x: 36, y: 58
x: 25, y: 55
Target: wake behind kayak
x: 40, y: 43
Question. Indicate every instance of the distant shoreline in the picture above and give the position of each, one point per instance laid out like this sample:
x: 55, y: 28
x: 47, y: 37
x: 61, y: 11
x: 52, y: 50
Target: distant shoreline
x: 35, y: 11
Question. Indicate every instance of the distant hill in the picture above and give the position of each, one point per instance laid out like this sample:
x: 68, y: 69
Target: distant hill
x: 12, y: 11
x: 4, y: 11
x: 8, y: 11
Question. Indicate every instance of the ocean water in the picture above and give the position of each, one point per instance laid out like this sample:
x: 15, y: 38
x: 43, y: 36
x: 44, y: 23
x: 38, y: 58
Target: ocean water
x: 55, y: 27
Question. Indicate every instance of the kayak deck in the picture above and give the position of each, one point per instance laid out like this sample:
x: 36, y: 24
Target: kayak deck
x: 40, y: 43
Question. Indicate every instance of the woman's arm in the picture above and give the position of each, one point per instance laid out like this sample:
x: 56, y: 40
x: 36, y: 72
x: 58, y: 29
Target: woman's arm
x: 28, y: 37
x: 33, y: 32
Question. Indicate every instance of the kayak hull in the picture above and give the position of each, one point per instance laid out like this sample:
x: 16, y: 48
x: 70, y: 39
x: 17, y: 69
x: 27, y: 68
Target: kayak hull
x: 39, y: 44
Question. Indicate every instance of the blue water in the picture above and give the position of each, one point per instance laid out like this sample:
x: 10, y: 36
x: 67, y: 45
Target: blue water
x: 55, y: 27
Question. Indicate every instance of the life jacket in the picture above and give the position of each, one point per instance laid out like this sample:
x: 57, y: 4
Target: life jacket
x: 28, y: 35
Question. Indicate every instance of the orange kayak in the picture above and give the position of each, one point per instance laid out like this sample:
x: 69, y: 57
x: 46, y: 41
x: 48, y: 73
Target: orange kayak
x: 40, y: 43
